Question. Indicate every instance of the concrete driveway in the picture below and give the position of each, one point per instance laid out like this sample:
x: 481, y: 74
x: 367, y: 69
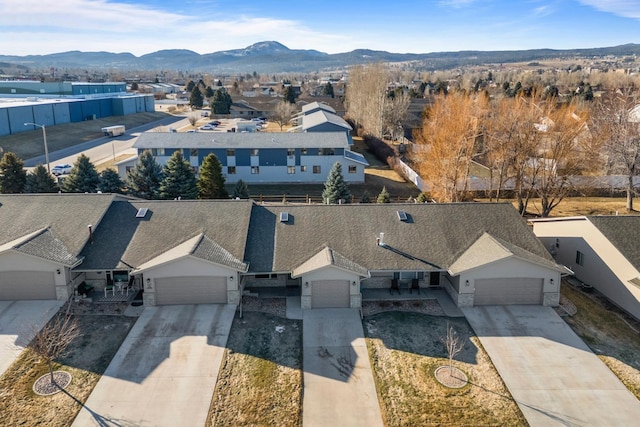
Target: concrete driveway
x: 339, y: 389
x: 165, y: 372
x: 551, y: 373
x: 19, y: 320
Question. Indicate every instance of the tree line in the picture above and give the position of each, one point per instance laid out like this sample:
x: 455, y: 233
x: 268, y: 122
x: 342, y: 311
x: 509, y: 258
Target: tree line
x: 147, y: 180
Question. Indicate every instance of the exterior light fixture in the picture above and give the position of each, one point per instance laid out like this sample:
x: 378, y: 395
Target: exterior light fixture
x: 466, y: 283
x: 58, y: 271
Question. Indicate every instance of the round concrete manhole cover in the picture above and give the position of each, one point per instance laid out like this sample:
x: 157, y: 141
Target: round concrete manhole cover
x: 44, y: 387
x: 451, y: 377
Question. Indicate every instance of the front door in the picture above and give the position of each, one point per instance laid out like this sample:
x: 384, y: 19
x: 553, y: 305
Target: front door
x: 434, y: 278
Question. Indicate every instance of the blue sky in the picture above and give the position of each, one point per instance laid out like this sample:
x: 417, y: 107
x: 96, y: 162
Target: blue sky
x: 204, y: 26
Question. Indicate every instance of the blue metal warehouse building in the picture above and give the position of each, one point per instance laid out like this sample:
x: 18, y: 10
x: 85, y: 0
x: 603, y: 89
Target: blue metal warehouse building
x: 57, y: 103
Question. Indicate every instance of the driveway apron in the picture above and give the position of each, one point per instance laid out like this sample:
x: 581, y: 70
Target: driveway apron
x: 339, y: 389
x: 165, y: 372
x: 551, y: 373
x: 19, y: 321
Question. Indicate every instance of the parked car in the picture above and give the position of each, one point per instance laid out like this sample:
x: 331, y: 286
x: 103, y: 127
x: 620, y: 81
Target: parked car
x: 61, y: 169
x: 207, y: 127
x: 214, y: 123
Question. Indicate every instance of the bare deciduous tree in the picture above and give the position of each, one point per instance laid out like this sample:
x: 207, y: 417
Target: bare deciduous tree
x: 447, y: 144
x: 53, y: 340
x: 615, y: 125
x: 366, y: 96
x: 193, y: 119
x: 283, y: 113
x: 453, y: 345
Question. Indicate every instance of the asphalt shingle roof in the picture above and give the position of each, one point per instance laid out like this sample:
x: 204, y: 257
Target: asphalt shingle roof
x: 432, y: 238
x: 124, y: 241
x: 320, y: 117
x: 65, y: 215
x: 622, y: 232
x: 241, y: 140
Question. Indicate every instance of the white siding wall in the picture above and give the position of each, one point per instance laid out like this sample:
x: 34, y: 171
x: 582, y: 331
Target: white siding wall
x: 604, y: 267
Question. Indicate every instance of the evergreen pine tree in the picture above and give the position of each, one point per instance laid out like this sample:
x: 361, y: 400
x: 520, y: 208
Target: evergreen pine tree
x: 365, y: 197
x: 221, y: 102
x: 179, y: 179
x: 335, y: 188
x: 383, y: 197
x: 110, y: 181
x: 145, y: 178
x: 289, y: 94
x: 241, y: 190
x: 40, y: 181
x: 83, y: 177
x: 196, y: 99
x: 12, y: 174
x: 422, y: 198
x: 211, y: 181
x: 328, y: 90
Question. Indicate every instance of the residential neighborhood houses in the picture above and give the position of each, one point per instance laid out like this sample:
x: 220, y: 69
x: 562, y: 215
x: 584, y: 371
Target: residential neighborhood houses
x: 480, y: 261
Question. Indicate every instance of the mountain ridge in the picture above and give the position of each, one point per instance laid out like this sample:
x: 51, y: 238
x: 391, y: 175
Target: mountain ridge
x: 272, y: 56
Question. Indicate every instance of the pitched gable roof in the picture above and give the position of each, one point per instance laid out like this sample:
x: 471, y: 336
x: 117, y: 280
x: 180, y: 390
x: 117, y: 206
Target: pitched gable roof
x: 328, y: 257
x: 488, y: 249
x: 622, y: 232
x: 65, y: 215
x: 321, y: 117
x: 200, y: 247
x: 124, y: 241
x: 433, y: 237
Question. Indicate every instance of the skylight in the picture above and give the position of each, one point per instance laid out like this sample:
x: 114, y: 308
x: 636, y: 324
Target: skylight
x: 142, y: 212
x: 402, y: 215
x: 284, y: 216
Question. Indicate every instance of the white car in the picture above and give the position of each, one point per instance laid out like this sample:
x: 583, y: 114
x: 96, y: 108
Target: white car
x: 61, y: 169
x: 207, y: 127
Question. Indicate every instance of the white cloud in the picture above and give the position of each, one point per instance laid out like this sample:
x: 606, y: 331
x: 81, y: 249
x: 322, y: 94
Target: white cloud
x: 37, y: 27
x: 625, y: 8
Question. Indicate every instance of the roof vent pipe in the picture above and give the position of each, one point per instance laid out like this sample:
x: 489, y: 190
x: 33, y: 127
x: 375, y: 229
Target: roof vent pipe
x: 90, y: 233
x: 381, y: 239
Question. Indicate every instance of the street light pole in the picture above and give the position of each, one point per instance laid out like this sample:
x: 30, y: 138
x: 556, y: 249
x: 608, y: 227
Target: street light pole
x: 44, y: 137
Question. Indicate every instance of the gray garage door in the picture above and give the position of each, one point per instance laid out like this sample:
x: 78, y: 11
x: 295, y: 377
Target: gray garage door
x: 330, y: 294
x: 17, y: 285
x: 191, y: 290
x: 508, y: 291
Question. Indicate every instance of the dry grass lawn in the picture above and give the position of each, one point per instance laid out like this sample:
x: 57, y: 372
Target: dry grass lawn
x: 406, y: 348
x: 609, y: 332
x: 260, y: 381
x: 572, y: 206
x: 88, y: 358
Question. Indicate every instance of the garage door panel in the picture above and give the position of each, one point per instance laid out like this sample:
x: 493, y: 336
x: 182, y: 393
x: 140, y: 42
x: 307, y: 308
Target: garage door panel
x: 330, y: 294
x: 191, y: 290
x: 508, y: 291
x: 27, y: 285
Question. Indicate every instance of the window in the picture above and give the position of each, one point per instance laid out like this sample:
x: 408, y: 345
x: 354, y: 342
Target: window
x: 231, y: 152
x: 157, y: 151
x: 303, y: 151
x: 231, y: 170
x: 194, y: 152
x: 291, y: 151
x: 303, y: 168
x: 255, y: 151
x: 579, y: 258
x: 316, y: 169
x: 255, y: 170
x: 326, y: 152
x: 291, y: 170
x: 353, y: 169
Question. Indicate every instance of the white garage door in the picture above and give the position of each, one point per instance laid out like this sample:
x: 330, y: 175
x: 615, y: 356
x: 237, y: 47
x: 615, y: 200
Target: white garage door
x: 17, y: 285
x: 330, y: 294
x: 508, y: 291
x: 191, y: 290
